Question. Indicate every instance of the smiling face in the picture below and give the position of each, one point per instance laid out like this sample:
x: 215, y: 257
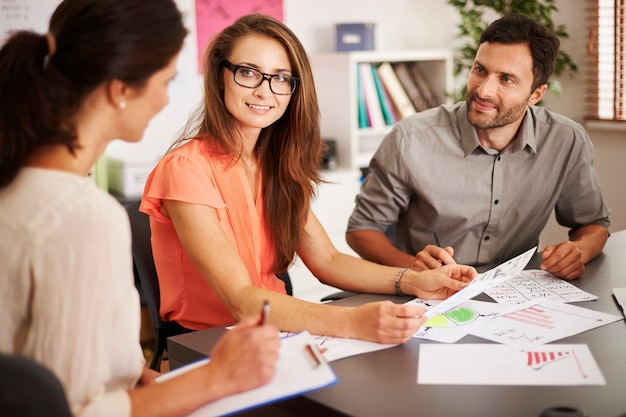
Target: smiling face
x: 256, y: 108
x: 499, y: 86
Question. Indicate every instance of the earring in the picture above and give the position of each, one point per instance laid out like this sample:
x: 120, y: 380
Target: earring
x: 122, y: 105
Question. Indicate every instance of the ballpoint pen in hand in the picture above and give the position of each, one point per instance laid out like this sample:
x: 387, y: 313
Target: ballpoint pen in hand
x: 438, y: 243
x: 265, y: 312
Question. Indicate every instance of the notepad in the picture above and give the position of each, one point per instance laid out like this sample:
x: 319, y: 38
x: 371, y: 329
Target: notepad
x: 297, y: 372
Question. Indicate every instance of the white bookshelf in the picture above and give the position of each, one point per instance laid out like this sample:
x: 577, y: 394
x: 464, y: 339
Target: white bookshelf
x: 336, y: 82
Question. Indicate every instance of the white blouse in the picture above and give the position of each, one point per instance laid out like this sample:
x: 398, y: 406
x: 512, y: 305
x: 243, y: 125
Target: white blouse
x: 67, y: 294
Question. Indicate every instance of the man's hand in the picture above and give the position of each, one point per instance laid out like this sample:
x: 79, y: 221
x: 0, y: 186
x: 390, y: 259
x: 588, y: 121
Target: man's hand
x: 565, y: 260
x: 432, y: 257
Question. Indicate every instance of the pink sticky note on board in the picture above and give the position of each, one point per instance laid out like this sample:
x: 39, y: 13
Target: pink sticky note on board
x: 214, y: 15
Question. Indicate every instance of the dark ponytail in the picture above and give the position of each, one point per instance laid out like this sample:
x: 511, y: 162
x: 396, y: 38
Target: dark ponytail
x: 26, y: 114
x: 93, y: 42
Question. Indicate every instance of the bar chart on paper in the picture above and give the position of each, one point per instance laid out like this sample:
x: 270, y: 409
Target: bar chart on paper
x: 541, y: 322
x: 482, y: 364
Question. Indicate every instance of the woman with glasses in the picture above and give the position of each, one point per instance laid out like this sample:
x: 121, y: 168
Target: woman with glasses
x: 230, y: 203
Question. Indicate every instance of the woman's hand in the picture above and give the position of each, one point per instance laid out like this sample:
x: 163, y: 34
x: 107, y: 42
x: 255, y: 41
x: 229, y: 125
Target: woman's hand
x: 386, y: 322
x: 246, y: 356
x: 437, y: 284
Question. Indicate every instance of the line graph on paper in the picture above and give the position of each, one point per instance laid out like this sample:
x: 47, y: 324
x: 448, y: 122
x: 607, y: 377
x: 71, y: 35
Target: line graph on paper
x: 536, y: 323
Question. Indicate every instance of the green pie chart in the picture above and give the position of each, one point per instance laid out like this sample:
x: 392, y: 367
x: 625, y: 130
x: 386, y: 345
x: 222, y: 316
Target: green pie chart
x: 453, y: 318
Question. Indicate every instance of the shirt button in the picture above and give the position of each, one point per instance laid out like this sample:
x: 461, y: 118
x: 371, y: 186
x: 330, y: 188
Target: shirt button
x: 499, y: 157
x: 496, y: 202
x: 487, y: 238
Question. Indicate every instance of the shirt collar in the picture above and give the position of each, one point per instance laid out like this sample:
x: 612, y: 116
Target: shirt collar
x: 469, y: 138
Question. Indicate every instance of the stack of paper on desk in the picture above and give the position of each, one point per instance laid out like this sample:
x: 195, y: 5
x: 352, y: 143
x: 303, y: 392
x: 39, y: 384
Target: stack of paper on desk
x: 531, y: 308
x: 298, y: 371
x: 484, y: 281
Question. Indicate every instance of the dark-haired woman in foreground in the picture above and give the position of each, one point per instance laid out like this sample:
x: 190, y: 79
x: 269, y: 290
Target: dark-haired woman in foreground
x: 66, y: 281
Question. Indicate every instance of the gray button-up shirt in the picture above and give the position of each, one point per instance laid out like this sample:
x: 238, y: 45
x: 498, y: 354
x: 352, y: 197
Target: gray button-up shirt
x: 431, y: 174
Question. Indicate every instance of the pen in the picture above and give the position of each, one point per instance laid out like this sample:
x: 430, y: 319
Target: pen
x: 265, y: 312
x: 437, y: 242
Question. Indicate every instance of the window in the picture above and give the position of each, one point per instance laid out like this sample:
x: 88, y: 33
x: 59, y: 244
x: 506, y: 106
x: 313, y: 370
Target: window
x: 606, y: 94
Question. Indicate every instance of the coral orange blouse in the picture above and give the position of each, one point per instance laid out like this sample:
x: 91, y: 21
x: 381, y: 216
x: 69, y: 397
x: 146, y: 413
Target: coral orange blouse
x: 193, y: 173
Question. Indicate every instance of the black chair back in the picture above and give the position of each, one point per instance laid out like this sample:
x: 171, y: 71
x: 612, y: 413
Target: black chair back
x: 28, y: 389
x: 146, y: 274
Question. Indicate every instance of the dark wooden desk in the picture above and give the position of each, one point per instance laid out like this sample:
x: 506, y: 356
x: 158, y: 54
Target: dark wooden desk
x: 383, y: 383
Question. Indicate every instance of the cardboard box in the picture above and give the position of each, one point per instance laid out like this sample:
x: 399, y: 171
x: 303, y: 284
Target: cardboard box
x: 127, y: 178
x: 355, y: 36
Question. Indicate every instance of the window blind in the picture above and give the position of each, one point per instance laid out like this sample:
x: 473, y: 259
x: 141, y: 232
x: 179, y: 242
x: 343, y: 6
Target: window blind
x: 607, y: 61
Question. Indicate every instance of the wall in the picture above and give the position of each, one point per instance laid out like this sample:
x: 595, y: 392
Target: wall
x: 404, y: 24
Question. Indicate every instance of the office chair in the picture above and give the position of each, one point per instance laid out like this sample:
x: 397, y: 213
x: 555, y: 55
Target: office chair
x: 28, y: 389
x: 145, y: 272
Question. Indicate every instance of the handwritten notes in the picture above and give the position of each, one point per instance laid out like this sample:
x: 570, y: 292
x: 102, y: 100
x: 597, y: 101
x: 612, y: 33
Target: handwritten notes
x: 482, y: 364
x: 334, y: 348
x: 484, y: 281
x: 25, y: 15
x: 536, y: 284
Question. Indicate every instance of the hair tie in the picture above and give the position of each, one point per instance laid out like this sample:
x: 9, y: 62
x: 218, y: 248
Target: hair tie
x: 52, y: 47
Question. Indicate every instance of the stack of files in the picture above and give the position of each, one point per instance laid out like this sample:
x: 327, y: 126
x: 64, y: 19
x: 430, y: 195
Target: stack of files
x: 388, y: 92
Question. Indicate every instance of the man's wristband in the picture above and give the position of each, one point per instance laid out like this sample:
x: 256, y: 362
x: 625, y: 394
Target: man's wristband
x: 398, y: 278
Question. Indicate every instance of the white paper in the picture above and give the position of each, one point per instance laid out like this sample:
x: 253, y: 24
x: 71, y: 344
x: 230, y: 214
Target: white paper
x: 296, y: 373
x: 539, y: 322
x: 334, y: 348
x: 491, y: 364
x: 453, y: 325
x: 536, y: 284
x: 25, y: 15
x: 500, y: 273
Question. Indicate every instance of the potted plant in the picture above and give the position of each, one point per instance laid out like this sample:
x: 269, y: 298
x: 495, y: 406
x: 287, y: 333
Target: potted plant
x: 476, y: 16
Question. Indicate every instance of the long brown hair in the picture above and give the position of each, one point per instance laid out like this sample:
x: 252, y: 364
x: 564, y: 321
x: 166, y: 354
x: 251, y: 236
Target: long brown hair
x: 289, y: 150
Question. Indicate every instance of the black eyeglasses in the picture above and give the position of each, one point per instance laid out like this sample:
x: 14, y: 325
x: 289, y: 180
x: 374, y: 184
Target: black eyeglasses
x: 281, y: 84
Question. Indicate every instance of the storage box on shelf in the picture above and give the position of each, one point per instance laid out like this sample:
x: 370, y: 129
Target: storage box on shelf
x: 336, y: 78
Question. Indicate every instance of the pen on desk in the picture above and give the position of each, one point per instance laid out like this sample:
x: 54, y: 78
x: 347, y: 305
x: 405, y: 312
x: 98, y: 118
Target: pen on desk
x: 265, y: 312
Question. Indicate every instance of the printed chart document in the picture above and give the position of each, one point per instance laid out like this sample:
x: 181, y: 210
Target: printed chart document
x: 500, y: 273
x: 453, y: 325
x: 483, y: 364
x: 299, y: 370
x: 542, y: 321
x: 535, y: 284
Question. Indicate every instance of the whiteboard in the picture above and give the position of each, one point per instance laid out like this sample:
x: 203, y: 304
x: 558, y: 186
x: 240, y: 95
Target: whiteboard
x: 25, y: 15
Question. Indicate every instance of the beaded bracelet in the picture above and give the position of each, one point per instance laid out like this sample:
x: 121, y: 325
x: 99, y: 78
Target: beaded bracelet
x: 398, y: 278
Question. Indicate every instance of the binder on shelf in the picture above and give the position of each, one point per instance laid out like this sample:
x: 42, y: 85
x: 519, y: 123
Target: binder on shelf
x: 423, y: 85
x: 389, y: 113
x: 372, y: 103
x: 404, y: 75
x: 300, y: 369
x: 361, y: 107
x: 398, y: 95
